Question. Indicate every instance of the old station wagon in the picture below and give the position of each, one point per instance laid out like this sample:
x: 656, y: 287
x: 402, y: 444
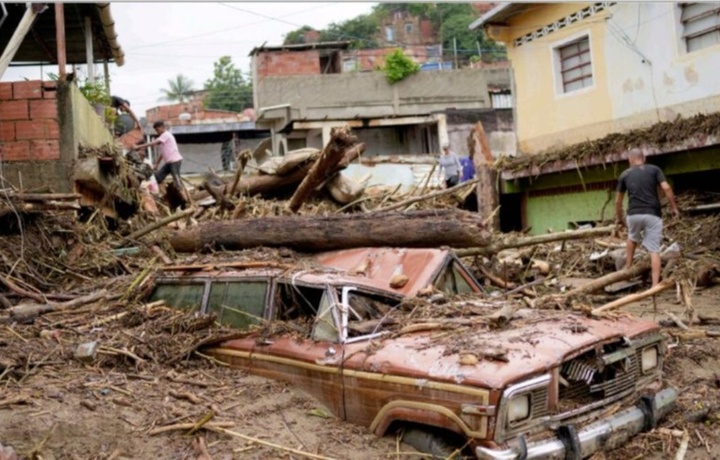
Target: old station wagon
x: 566, y: 386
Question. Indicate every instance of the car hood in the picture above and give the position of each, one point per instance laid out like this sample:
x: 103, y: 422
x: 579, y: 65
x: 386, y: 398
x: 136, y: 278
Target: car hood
x: 530, y: 344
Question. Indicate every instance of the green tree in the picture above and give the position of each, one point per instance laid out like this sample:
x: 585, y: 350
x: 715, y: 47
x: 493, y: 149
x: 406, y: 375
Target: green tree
x: 362, y: 31
x: 179, y: 89
x: 297, y: 36
x: 228, y: 90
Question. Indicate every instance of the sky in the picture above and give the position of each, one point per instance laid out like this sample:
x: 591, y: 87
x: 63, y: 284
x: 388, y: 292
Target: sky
x: 164, y: 39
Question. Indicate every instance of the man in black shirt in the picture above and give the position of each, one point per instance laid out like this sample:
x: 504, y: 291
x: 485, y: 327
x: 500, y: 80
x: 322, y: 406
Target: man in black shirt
x: 123, y: 105
x: 644, y: 219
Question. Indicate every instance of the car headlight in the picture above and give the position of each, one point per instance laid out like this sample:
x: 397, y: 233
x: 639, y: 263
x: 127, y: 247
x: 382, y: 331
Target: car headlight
x: 518, y: 408
x: 649, y: 358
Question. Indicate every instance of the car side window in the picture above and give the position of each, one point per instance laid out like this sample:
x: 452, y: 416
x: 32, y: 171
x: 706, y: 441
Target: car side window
x: 365, y: 312
x: 183, y: 296
x: 451, y: 281
x: 325, y: 327
x: 307, y: 308
x: 239, y: 304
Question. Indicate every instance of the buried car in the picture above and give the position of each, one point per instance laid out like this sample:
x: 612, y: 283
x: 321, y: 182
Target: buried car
x: 349, y: 330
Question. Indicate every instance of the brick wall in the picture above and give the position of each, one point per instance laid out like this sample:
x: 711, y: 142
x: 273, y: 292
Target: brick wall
x: 29, y: 121
x: 284, y: 63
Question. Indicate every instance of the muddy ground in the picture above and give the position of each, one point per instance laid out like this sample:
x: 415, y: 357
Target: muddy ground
x: 106, y: 409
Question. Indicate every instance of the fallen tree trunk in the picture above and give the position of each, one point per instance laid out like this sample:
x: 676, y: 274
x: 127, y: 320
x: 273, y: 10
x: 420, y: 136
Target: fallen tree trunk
x: 625, y: 274
x: 26, y: 312
x: 161, y: 223
x: 429, y: 229
x: 340, y: 141
x: 518, y: 242
x: 634, y: 297
x: 265, y: 183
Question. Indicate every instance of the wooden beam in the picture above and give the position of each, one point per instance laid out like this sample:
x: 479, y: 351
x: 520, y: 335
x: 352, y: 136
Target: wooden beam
x: 60, y: 37
x: 17, y: 38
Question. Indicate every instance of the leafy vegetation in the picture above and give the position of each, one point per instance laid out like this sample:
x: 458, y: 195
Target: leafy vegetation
x: 449, y: 20
x: 398, y: 66
x: 95, y: 92
x: 228, y: 89
x: 179, y: 89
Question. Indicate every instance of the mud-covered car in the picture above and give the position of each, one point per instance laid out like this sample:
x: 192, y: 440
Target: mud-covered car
x: 548, y: 384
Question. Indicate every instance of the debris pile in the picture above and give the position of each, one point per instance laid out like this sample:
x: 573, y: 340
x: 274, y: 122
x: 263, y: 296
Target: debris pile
x: 76, y: 325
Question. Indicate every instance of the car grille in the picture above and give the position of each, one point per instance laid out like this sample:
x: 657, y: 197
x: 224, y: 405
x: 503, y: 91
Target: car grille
x: 586, y: 380
x: 539, y: 401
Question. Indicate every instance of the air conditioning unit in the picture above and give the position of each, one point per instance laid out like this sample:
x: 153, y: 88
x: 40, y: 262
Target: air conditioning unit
x: 184, y: 116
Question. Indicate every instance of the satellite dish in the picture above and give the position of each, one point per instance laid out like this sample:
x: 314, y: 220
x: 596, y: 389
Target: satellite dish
x: 184, y: 116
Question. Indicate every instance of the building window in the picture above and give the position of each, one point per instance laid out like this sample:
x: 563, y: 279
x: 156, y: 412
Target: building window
x: 575, y: 65
x: 408, y: 28
x: 701, y: 25
x: 389, y: 34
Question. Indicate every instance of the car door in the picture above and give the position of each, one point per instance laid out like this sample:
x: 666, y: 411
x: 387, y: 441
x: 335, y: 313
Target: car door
x: 308, y: 355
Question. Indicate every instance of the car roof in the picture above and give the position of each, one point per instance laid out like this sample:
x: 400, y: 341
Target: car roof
x: 371, y: 268
x: 377, y: 266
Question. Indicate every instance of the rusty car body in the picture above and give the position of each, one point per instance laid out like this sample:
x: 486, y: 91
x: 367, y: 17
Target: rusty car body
x: 566, y: 386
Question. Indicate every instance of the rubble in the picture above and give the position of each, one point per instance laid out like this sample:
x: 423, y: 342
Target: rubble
x: 69, y: 281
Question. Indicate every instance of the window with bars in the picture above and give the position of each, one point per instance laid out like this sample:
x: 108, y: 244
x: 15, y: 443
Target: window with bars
x: 701, y: 25
x: 575, y: 65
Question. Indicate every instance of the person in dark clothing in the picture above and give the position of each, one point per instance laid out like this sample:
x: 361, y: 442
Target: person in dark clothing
x: 644, y: 217
x: 123, y: 106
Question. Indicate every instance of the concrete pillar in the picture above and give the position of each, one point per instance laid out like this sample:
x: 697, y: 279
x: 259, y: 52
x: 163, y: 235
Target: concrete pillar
x: 443, y: 137
x: 89, y: 53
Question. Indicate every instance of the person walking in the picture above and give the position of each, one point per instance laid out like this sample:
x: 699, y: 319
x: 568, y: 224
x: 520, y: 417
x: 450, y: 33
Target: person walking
x: 644, y: 217
x: 450, y: 166
x: 169, y: 155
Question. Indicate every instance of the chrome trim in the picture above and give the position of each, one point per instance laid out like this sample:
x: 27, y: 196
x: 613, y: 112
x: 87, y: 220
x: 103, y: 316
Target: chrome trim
x: 478, y: 409
x: 528, y: 385
x: 606, y: 433
x: 510, y: 392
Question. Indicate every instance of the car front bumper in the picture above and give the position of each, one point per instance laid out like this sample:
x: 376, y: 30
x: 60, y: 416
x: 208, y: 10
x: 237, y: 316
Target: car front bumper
x: 606, y: 433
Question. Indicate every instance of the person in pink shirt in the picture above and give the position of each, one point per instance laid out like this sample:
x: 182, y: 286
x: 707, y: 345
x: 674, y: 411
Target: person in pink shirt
x: 169, y: 155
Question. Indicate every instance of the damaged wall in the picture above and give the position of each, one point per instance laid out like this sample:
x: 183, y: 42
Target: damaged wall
x: 30, y: 136
x: 41, y: 126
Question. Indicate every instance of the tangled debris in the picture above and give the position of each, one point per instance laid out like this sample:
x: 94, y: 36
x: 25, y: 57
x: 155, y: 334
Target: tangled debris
x: 662, y: 135
x: 144, y: 362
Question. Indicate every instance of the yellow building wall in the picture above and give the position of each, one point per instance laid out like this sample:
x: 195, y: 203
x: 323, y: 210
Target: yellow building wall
x: 542, y: 108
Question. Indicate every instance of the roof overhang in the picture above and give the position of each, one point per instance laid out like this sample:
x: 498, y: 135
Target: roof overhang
x: 40, y: 44
x: 338, y: 45
x: 500, y: 14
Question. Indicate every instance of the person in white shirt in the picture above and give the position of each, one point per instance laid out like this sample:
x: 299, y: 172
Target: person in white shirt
x: 450, y: 166
x: 169, y: 154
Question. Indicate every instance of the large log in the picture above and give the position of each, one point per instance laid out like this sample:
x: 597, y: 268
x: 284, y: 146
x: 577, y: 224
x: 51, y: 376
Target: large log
x: 340, y: 141
x: 429, y: 229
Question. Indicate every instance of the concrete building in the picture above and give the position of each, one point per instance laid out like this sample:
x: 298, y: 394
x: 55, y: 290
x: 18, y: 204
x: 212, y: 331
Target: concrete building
x: 592, y: 80
x: 302, y: 91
